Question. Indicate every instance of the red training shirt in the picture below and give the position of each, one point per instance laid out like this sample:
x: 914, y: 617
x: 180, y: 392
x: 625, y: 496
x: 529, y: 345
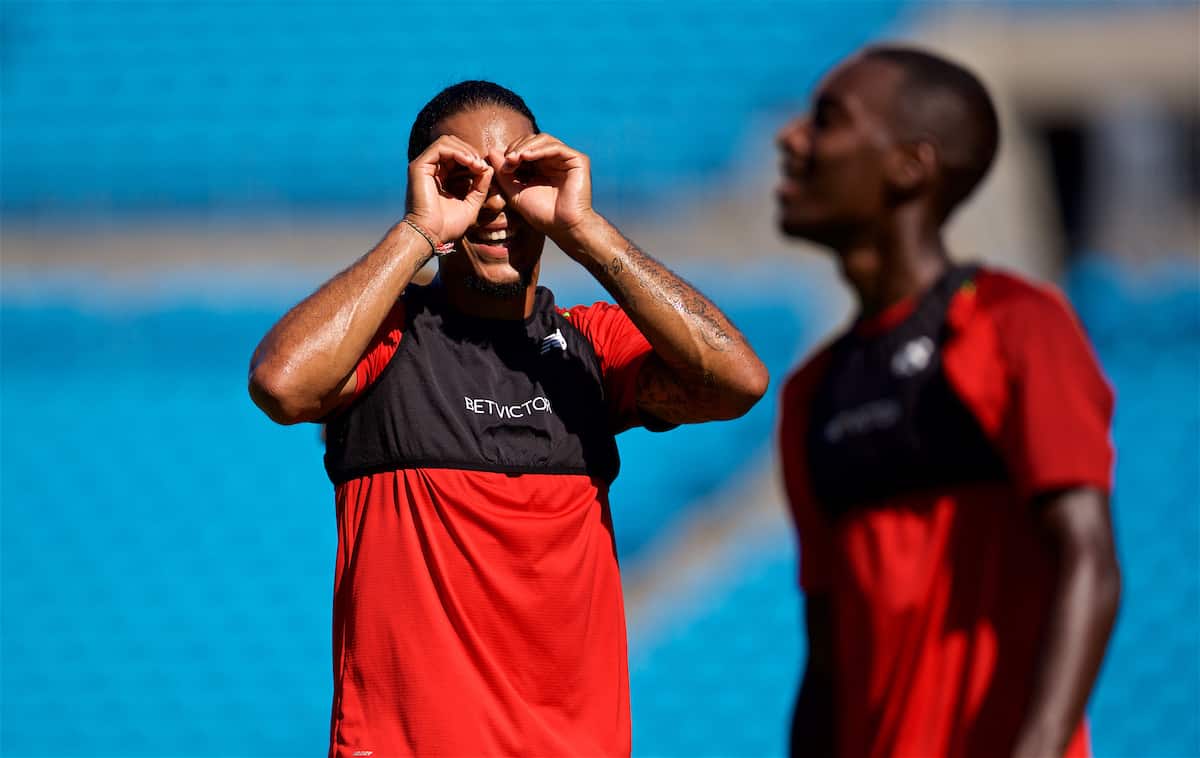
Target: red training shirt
x: 480, y: 612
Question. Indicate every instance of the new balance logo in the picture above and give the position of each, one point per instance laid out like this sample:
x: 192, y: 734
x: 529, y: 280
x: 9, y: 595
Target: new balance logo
x: 913, y: 358
x: 556, y: 340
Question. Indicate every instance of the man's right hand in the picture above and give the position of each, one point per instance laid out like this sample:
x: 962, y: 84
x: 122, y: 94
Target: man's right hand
x: 447, y: 185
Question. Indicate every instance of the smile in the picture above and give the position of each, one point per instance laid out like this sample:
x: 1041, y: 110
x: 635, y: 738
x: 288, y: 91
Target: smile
x: 492, y: 244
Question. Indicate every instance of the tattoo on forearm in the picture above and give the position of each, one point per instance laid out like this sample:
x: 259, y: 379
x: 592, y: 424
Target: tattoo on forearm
x: 670, y: 288
x: 615, y: 266
x: 671, y: 397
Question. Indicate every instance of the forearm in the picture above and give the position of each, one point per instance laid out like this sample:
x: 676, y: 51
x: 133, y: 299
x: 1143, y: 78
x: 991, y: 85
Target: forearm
x: 712, y: 361
x: 1082, y: 613
x: 304, y: 360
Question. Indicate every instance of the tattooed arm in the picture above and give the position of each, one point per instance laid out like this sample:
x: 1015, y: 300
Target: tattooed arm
x: 702, y: 368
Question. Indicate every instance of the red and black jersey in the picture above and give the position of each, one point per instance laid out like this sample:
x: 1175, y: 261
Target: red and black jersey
x: 912, y: 448
x: 477, y: 600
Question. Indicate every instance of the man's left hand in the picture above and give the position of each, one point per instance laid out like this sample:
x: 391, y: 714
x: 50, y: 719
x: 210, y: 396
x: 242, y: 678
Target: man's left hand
x: 548, y: 183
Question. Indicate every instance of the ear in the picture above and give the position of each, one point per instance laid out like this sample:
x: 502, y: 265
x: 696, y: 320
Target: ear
x: 912, y: 167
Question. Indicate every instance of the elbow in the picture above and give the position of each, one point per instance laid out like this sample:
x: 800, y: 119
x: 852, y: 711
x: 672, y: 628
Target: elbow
x: 744, y: 388
x: 277, y: 397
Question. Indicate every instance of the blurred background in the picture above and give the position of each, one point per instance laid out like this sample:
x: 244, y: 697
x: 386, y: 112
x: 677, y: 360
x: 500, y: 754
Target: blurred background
x: 174, y: 175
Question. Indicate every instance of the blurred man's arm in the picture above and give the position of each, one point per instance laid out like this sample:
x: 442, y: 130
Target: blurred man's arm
x: 813, y: 727
x: 1055, y: 436
x: 1078, y: 526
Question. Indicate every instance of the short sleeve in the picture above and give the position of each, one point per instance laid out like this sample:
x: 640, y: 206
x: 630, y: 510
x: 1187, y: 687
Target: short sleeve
x: 379, y: 351
x: 1055, y: 432
x: 812, y: 528
x: 622, y: 349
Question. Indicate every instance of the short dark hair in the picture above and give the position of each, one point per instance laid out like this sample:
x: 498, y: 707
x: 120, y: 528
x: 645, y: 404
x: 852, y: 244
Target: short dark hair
x: 457, y: 98
x: 945, y: 104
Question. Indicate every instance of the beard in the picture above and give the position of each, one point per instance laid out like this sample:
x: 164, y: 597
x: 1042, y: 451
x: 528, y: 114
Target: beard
x: 499, y: 290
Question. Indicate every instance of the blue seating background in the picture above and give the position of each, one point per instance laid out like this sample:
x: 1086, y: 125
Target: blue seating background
x: 240, y: 108
x: 166, y: 554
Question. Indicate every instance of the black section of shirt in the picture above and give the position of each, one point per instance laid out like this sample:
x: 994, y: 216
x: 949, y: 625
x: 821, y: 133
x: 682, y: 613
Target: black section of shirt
x: 885, y: 421
x: 479, y: 395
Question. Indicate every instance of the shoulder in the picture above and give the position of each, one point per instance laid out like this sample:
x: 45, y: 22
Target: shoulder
x: 1008, y: 298
x: 613, y: 336
x: 1025, y: 326
x: 1012, y: 311
x: 598, y: 312
x: 602, y: 323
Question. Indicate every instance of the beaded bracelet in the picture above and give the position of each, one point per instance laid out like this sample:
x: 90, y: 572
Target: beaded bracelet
x: 444, y: 248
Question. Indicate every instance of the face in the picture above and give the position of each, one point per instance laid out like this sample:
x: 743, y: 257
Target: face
x: 832, y: 188
x: 500, y: 252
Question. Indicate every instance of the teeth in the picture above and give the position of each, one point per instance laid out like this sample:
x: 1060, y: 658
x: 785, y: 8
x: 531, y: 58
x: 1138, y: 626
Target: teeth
x: 498, y: 236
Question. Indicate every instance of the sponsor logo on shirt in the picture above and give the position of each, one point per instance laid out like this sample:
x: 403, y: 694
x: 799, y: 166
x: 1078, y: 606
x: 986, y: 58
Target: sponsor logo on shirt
x: 485, y: 407
x: 873, y: 416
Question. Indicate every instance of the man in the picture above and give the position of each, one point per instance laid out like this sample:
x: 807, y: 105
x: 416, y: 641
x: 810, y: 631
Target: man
x: 471, y: 423
x: 947, y: 458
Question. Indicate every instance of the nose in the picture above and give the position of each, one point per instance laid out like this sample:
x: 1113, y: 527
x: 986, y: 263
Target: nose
x: 495, y: 200
x: 793, y: 138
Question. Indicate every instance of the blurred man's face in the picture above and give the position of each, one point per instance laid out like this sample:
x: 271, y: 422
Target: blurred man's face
x: 832, y: 188
x: 500, y: 252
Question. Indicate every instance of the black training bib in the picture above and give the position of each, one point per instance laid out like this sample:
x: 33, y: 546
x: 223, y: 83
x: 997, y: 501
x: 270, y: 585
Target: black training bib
x: 886, y: 422
x: 481, y: 395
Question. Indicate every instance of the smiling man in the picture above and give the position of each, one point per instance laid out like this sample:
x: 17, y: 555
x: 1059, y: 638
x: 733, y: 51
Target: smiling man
x: 471, y: 442
x: 947, y: 458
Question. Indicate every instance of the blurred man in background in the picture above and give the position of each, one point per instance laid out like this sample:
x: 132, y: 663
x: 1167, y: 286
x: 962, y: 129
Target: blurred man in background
x: 947, y: 458
x: 471, y: 423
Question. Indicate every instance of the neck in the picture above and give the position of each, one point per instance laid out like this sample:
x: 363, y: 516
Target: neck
x: 900, y: 261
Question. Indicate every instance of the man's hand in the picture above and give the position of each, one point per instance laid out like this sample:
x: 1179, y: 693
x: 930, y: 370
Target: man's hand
x: 447, y: 185
x: 549, y: 184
